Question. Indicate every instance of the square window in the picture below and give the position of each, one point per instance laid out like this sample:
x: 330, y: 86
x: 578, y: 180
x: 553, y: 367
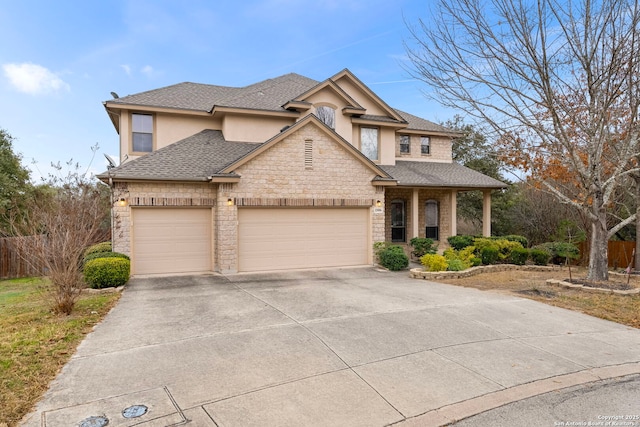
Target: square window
x: 405, y: 145
x: 425, y: 145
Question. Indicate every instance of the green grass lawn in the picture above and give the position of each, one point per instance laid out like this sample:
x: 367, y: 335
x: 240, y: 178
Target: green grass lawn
x: 35, y: 343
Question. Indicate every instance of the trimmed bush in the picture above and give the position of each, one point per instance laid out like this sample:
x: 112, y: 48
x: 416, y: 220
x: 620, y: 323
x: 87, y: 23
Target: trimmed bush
x: 540, y: 256
x: 422, y: 246
x: 434, y: 262
x: 489, y: 255
x: 393, y: 258
x: 456, y: 265
x: 460, y: 242
x: 106, y: 272
x: 97, y: 248
x: 516, y: 238
x: 519, y: 256
x: 104, y: 255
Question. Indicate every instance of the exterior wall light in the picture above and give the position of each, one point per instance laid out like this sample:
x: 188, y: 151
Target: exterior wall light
x: 378, y: 203
x: 229, y: 201
x: 122, y: 202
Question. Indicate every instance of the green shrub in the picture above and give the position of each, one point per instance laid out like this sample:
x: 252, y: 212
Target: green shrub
x: 456, y: 265
x: 559, y: 251
x: 466, y: 258
x: 505, y: 247
x: 393, y: 258
x: 434, y: 262
x: 489, y: 255
x: 97, y: 248
x: 106, y: 272
x: 422, y: 246
x: 104, y: 255
x: 516, y: 238
x: 378, y: 247
x: 460, y: 242
x: 519, y: 256
x: 540, y: 256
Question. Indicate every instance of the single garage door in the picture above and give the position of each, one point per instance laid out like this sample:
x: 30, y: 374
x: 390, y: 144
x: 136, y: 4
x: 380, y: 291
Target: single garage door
x: 169, y: 241
x: 280, y: 239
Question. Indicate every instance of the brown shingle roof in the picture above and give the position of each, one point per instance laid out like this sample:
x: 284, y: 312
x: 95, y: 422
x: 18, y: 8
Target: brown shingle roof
x: 418, y: 123
x: 192, y: 159
x: 428, y: 174
x: 268, y: 94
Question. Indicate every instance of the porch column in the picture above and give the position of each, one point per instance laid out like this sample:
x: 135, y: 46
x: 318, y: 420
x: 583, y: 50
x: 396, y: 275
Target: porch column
x: 415, y: 209
x: 486, y: 213
x: 454, y: 212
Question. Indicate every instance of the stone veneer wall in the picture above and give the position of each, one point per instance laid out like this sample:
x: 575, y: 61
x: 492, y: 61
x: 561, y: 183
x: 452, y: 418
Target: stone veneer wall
x: 285, y: 176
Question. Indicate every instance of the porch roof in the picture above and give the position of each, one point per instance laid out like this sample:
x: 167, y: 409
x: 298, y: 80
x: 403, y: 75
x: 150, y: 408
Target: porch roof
x: 431, y: 174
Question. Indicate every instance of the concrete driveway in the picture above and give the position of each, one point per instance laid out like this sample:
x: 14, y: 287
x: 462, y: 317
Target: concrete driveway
x: 353, y: 347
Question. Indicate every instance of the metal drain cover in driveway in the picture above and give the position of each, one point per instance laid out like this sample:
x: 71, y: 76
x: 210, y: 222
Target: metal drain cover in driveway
x: 99, y: 421
x: 135, y: 411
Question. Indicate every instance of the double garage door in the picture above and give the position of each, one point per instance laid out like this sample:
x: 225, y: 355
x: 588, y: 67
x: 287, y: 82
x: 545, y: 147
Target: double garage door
x: 281, y: 239
x: 167, y: 240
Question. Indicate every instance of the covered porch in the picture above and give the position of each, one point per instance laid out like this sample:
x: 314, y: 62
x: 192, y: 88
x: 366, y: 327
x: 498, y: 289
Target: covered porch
x: 424, y: 202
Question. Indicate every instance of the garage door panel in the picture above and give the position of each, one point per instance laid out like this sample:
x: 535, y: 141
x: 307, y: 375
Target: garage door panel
x: 170, y: 240
x: 273, y: 239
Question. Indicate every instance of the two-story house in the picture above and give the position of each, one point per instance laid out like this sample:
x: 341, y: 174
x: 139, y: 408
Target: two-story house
x: 286, y: 173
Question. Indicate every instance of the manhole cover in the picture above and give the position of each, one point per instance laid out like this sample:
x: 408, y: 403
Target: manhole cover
x: 134, y: 411
x: 99, y: 421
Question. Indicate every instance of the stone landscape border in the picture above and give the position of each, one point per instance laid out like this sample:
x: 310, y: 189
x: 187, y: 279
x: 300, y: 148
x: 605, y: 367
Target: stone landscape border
x: 419, y: 273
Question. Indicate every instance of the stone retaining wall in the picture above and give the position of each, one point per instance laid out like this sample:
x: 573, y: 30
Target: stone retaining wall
x: 418, y: 273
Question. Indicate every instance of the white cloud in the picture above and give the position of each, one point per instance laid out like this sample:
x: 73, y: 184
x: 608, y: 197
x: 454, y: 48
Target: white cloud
x: 148, y: 70
x: 33, y: 79
x: 126, y: 68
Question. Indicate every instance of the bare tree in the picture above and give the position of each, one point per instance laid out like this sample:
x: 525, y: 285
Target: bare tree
x: 64, y: 217
x: 558, y: 84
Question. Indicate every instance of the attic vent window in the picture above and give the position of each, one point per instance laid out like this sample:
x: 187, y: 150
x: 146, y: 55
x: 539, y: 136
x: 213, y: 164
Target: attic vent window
x: 308, y: 154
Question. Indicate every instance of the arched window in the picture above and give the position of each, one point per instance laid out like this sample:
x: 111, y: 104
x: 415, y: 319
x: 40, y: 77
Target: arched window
x: 327, y: 115
x: 398, y: 221
x: 432, y: 219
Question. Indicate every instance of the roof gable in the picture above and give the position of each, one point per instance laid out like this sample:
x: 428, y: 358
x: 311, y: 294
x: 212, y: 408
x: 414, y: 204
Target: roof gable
x: 347, y: 75
x: 309, y: 120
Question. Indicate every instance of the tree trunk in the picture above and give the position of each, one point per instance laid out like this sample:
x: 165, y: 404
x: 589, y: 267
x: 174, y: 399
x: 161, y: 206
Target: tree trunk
x: 637, y: 258
x: 598, y: 256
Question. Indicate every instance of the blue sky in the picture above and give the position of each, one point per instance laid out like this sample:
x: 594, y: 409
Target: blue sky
x: 60, y: 60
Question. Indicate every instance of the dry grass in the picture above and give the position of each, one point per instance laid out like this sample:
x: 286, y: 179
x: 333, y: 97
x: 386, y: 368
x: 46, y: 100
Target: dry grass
x: 35, y: 343
x: 531, y: 284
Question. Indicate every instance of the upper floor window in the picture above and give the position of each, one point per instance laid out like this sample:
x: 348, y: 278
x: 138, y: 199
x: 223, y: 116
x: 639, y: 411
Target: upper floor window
x: 425, y: 145
x: 141, y: 133
x: 405, y: 144
x: 369, y: 142
x: 327, y: 115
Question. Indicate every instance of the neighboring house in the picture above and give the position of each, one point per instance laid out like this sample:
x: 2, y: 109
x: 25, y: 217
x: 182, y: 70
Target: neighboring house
x: 286, y: 173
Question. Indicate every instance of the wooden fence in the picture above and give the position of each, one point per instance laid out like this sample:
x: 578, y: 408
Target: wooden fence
x: 11, y: 265
x: 620, y: 253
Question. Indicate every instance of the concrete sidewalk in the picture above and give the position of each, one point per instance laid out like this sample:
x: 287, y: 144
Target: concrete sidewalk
x: 353, y: 347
